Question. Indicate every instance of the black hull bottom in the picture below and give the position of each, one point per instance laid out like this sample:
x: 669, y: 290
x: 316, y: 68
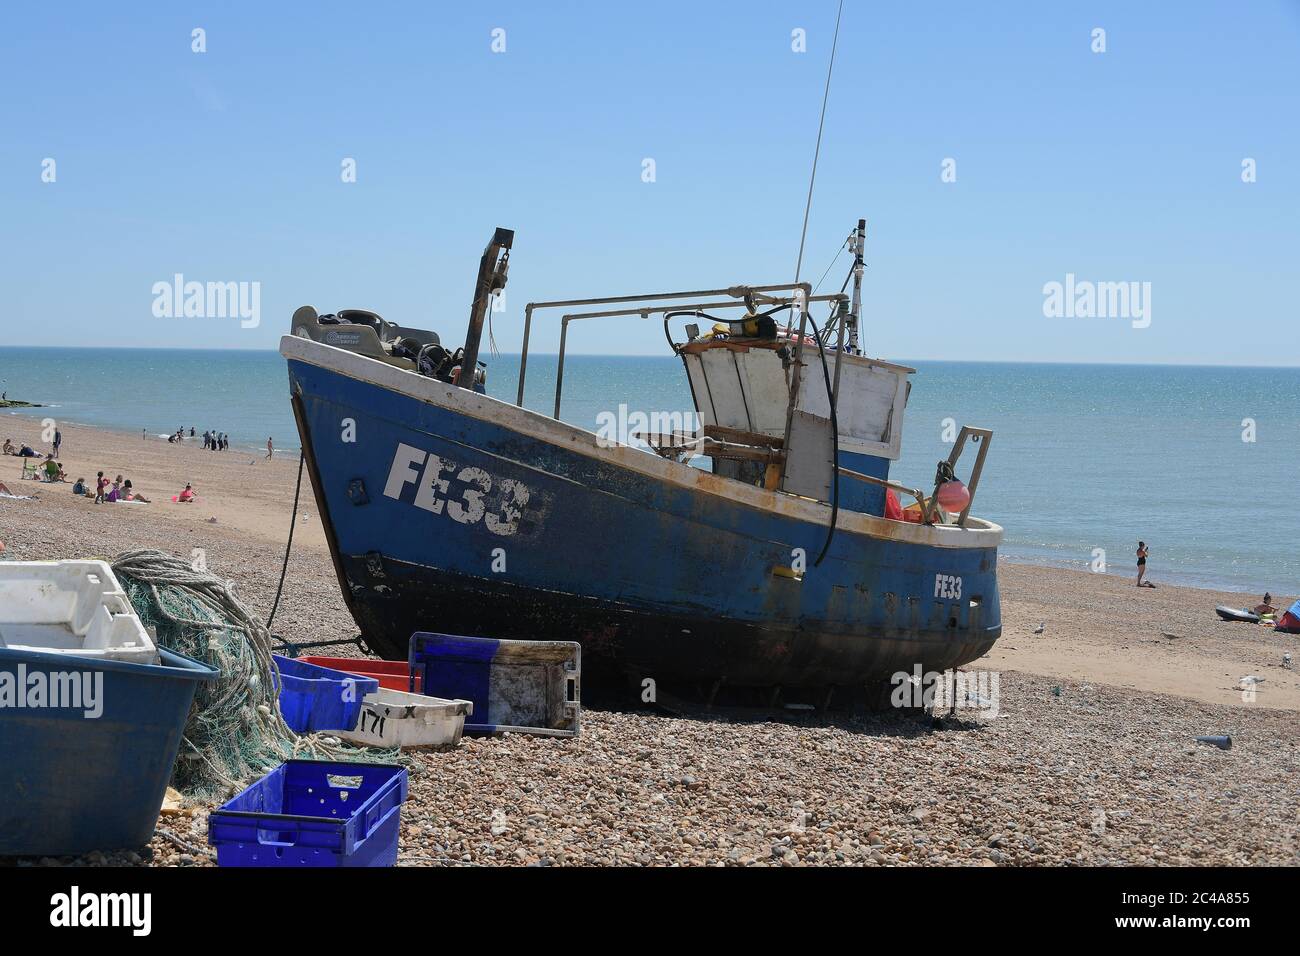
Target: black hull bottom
x: 391, y: 601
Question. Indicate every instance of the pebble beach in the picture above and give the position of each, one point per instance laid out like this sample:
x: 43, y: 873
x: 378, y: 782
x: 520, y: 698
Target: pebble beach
x: 1092, y: 758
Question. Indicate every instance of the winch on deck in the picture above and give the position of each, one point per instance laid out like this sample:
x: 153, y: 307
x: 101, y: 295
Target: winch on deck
x: 366, y: 333
x: 416, y: 350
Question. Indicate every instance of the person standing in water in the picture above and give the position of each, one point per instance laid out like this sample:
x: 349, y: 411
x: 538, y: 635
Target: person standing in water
x: 1142, y: 565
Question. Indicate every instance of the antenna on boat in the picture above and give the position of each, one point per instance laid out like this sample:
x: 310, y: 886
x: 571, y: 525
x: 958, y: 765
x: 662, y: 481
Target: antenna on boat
x: 817, y: 151
x: 857, y: 243
x: 492, y: 272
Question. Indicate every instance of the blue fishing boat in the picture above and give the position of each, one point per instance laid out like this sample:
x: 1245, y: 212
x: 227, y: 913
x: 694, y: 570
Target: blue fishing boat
x: 766, y: 547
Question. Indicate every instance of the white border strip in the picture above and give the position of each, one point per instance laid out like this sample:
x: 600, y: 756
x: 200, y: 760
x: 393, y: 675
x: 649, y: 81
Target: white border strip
x: 977, y: 534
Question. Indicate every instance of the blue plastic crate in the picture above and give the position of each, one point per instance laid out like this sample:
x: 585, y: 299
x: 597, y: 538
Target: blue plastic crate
x: 79, y: 778
x: 316, y: 698
x: 313, y: 813
x: 520, y: 686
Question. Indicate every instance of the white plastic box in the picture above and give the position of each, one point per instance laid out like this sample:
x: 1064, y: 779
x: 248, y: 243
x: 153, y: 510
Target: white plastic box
x: 70, y: 607
x: 394, y: 718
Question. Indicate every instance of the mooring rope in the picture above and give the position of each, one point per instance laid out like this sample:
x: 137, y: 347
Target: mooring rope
x: 293, y: 522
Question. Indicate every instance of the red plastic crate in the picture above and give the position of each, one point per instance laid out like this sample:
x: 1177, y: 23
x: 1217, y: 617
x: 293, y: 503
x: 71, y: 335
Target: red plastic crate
x: 395, y: 675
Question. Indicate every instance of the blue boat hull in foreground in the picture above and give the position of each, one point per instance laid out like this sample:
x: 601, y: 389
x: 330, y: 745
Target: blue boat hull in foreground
x: 451, y: 511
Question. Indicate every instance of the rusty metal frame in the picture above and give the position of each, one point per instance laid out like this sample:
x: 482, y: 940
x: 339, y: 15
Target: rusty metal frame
x: 916, y: 493
x: 981, y: 436
x: 648, y: 309
x: 734, y: 292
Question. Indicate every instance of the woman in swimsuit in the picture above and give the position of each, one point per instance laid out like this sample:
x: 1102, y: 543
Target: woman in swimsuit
x: 1142, y: 563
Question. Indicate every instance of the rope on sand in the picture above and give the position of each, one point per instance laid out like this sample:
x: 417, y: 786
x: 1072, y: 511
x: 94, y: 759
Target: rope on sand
x: 235, y: 731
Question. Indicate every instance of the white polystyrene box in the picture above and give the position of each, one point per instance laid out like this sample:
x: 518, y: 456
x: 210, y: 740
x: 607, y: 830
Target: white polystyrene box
x: 394, y: 718
x: 70, y: 607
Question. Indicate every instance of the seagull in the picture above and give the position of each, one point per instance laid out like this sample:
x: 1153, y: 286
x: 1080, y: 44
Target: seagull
x: 1286, y: 661
x: 1040, y: 628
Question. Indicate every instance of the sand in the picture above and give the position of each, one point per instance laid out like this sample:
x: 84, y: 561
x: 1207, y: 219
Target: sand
x: 1091, y: 760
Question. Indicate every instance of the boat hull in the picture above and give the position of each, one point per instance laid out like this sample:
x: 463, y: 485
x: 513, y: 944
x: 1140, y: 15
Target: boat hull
x: 453, y: 512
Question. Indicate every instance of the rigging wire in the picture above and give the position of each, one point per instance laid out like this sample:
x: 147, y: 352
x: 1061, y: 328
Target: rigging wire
x: 830, y: 267
x: 812, y: 179
x: 817, y: 151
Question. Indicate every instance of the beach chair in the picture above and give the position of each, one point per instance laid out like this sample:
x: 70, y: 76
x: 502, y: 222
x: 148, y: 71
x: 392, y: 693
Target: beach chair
x: 32, y: 470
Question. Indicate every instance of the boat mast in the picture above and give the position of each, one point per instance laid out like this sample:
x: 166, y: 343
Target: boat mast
x: 857, y: 243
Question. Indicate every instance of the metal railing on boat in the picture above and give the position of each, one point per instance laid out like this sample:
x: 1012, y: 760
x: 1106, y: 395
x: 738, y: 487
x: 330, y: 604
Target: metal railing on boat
x: 737, y: 298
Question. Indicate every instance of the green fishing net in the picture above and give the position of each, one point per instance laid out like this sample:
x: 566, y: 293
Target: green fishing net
x: 234, y: 732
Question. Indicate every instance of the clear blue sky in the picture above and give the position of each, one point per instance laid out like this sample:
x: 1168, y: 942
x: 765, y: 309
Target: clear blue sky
x: 225, y: 166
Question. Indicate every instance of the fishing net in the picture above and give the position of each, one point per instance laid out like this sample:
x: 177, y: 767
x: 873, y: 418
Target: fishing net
x: 234, y: 731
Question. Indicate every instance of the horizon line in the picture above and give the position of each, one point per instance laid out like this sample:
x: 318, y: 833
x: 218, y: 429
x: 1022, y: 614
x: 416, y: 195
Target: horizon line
x: 617, y: 355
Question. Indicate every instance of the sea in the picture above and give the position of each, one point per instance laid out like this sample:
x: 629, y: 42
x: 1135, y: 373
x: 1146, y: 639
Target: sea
x: 1200, y: 462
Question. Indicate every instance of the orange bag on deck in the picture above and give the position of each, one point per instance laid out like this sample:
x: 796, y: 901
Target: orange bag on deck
x: 893, y: 510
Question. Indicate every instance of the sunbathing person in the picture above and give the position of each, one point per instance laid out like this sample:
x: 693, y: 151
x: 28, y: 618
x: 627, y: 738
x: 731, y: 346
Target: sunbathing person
x: 53, y: 470
x: 1265, y: 606
x: 9, y: 447
x: 131, y: 495
x: 187, y: 496
x: 80, y: 488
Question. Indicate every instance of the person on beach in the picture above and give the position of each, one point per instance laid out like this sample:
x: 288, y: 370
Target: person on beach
x: 270, y: 449
x: 1265, y: 606
x: 1142, y: 565
x: 100, y: 484
x: 79, y: 489
x: 187, y: 496
x: 191, y: 431
x: 131, y: 494
x: 58, y: 441
x: 9, y: 448
x: 53, y: 470
x: 115, y: 493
